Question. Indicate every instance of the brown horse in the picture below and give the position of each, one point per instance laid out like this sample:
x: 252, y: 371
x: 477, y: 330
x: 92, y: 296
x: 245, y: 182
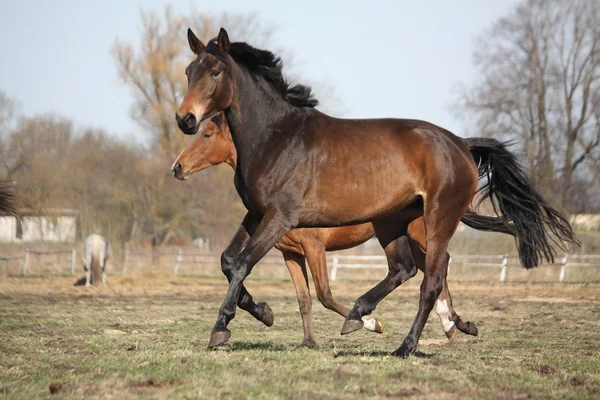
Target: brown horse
x: 214, y: 146
x: 298, y: 167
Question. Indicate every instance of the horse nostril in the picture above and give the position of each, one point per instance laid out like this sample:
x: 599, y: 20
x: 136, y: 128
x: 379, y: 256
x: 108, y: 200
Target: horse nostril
x: 190, y: 120
x: 176, y: 168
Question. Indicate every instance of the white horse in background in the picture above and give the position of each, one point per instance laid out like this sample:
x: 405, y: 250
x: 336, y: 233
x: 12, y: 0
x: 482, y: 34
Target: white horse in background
x: 96, y: 250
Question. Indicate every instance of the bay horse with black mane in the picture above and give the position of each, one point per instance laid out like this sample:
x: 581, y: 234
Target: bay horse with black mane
x: 298, y: 167
x: 214, y: 145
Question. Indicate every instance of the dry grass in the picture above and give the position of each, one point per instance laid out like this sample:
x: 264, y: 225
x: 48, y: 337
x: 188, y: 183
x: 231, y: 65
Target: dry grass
x: 145, y: 336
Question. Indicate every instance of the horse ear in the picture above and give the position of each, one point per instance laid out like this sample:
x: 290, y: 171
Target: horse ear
x: 195, y: 44
x: 223, y: 40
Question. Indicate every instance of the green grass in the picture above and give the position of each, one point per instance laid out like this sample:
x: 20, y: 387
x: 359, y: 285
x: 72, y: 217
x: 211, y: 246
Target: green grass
x: 146, y: 338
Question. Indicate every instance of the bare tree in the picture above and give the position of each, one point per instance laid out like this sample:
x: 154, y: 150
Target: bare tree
x: 155, y: 72
x: 540, y: 83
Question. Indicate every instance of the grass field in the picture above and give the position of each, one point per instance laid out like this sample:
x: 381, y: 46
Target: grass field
x: 145, y: 336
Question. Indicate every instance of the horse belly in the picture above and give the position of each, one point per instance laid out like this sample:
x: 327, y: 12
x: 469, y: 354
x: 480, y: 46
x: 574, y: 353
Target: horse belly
x: 353, y: 204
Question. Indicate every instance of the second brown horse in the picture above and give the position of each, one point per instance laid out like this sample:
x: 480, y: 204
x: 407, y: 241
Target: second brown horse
x: 214, y: 146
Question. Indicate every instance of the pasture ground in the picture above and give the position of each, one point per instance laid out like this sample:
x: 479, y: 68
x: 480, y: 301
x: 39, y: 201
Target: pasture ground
x: 145, y: 336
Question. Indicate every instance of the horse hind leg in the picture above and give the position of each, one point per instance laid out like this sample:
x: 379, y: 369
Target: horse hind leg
x: 448, y: 317
x: 401, y: 267
x: 441, y: 221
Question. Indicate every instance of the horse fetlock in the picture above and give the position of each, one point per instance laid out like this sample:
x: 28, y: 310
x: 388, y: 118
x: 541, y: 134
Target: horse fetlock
x: 445, y: 314
x: 372, y: 324
x: 407, y: 348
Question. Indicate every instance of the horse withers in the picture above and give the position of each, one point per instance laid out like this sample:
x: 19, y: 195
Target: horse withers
x: 96, y: 251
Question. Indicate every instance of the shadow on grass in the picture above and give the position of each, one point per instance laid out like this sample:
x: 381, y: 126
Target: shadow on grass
x: 352, y: 353
x: 80, y: 282
x: 241, y: 346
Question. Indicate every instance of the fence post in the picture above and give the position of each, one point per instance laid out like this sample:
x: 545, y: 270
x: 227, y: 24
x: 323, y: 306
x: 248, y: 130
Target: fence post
x: 125, y: 258
x: 563, y: 268
x: 178, y: 262
x: 334, y: 267
x: 73, y: 258
x: 503, y: 270
x: 25, y: 263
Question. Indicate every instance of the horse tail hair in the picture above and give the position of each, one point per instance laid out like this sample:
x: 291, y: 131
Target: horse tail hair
x: 486, y: 223
x: 518, y: 204
x: 8, y: 199
x: 96, y: 266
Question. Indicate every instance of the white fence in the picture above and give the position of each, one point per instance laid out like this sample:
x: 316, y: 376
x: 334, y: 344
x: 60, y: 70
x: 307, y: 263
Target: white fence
x: 177, y: 261
x: 502, y: 262
x: 180, y: 258
x: 27, y: 262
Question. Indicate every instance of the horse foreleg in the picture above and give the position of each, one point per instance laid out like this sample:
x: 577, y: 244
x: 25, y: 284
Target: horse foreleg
x: 260, y: 311
x: 271, y: 229
x: 297, y: 267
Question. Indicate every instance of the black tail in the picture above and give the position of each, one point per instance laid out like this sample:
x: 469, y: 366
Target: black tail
x: 521, y: 208
x: 8, y: 202
x: 486, y: 223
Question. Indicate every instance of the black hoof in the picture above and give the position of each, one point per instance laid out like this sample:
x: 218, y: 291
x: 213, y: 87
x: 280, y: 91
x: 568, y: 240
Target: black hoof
x: 268, y: 318
x: 218, y: 338
x: 311, y: 344
x: 351, y: 325
x: 404, y: 351
x: 468, y: 327
x: 472, y: 329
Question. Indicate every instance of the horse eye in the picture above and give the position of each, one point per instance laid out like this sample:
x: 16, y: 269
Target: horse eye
x: 207, y: 135
x: 214, y: 73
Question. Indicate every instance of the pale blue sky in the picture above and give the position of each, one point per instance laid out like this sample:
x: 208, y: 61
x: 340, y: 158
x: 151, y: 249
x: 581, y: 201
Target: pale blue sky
x: 385, y: 58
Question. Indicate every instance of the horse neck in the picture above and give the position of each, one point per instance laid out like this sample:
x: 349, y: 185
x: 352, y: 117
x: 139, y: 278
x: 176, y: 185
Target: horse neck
x: 255, y: 109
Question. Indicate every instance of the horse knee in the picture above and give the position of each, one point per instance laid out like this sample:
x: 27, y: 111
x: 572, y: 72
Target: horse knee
x: 227, y: 264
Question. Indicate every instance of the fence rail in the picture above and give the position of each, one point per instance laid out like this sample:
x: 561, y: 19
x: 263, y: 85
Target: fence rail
x: 336, y: 262
x: 500, y: 261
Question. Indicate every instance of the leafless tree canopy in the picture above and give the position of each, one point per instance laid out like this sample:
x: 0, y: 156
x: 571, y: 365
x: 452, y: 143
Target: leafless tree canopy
x: 539, y: 84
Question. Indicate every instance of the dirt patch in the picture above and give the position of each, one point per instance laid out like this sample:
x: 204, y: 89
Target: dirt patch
x: 552, y: 300
x: 114, y: 332
x: 55, y: 388
x: 545, y: 370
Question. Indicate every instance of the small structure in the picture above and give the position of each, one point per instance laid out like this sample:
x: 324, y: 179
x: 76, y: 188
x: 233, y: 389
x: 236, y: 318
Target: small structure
x: 55, y: 225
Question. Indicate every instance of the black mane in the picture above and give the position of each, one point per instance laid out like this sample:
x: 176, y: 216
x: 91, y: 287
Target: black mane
x: 269, y: 66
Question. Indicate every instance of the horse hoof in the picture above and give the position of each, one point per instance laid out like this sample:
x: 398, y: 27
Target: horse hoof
x: 403, y: 351
x: 372, y: 324
x: 218, y: 338
x: 351, y: 325
x: 451, y: 333
x: 310, y: 344
x: 268, y: 317
x: 472, y: 329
